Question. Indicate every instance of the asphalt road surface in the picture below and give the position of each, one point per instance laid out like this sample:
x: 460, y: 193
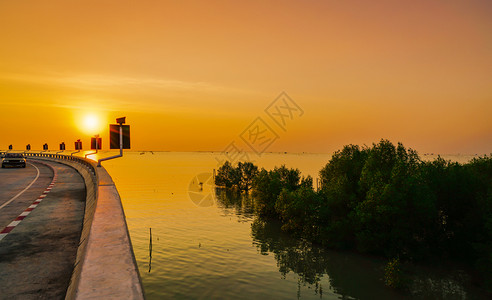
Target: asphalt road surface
x: 37, y: 256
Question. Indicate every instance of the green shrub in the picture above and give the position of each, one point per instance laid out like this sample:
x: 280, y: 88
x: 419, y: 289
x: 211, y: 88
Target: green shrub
x: 392, y: 273
x: 298, y: 211
x: 240, y: 177
x: 382, y: 200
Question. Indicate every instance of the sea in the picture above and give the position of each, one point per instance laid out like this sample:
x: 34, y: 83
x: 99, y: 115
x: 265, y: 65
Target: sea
x: 193, y: 242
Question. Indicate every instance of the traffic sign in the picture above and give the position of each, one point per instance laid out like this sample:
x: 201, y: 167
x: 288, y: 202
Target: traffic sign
x: 78, y: 145
x: 114, y: 136
x: 96, y: 143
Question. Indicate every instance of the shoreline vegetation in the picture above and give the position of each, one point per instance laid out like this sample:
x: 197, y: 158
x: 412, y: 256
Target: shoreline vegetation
x: 381, y: 200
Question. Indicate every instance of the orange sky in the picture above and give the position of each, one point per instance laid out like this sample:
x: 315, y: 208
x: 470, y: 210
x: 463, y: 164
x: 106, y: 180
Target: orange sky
x: 192, y: 75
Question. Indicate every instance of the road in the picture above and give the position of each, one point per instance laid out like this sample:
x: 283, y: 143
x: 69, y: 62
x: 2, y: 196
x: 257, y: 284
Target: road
x: 37, y: 255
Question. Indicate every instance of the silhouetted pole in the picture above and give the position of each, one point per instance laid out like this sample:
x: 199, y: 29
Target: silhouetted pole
x: 120, y: 121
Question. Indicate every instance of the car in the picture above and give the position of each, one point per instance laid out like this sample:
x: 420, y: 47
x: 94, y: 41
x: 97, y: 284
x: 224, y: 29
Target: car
x: 13, y: 160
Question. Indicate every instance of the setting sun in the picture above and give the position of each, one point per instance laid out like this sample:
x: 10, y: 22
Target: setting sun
x: 91, y: 122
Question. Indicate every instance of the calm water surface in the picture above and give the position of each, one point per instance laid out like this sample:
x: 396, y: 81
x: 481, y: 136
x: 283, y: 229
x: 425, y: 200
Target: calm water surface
x: 208, y: 246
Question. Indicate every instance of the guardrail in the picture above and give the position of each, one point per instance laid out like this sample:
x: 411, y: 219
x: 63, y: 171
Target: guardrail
x: 88, y: 163
x: 77, y: 159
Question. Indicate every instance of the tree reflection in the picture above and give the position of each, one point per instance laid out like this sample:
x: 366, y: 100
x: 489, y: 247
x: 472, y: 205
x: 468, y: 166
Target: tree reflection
x: 296, y: 255
x: 350, y: 275
x: 235, y: 203
x: 309, y: 262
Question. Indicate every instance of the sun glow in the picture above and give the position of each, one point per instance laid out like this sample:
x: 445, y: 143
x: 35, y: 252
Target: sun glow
x: 90, y: 123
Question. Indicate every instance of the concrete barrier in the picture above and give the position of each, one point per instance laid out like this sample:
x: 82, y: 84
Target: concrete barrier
x: 105, y: 266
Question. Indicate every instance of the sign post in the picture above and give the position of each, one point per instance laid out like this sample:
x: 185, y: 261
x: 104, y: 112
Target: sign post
x: 119, y: 138
x: 62, y: 148
x: 96, y: 144
x: 78, y: 147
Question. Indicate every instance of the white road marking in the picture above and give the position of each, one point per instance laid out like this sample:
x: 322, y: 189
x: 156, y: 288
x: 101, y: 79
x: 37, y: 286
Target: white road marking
x: 21, y: 192
x: 28, y: 210
x: 13, y: 223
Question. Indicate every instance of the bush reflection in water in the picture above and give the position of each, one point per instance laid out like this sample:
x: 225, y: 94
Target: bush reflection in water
x: 351, y: 275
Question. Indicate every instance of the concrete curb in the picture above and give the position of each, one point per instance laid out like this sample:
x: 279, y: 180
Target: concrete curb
x: 105, y: 266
